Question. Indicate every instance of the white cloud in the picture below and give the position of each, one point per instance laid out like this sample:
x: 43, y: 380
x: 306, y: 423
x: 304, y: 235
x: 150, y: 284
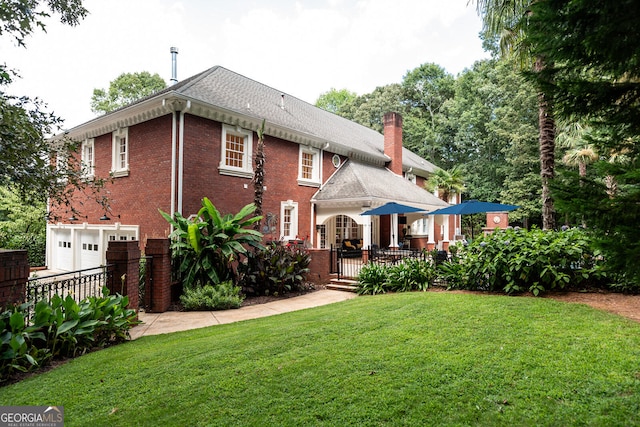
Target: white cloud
x: 303, y: 48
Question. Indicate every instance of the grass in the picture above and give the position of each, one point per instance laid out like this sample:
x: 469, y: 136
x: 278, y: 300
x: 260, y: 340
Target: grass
x: 402, y: 359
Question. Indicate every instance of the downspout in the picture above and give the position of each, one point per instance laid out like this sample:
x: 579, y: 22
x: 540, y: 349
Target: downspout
x: 174, y: 145
x: 181, y: 157
x: 312, y: 226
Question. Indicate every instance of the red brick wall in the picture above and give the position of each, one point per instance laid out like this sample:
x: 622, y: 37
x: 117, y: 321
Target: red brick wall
x: 125, y: 257
x: 202, y: 178
x: 158, y: 294
x: 319, y: 266
x: 136, y: 197
x: 14, y: 272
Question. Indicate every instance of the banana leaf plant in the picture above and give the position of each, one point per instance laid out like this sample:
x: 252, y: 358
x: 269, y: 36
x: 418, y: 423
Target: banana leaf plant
x: 207, y: 246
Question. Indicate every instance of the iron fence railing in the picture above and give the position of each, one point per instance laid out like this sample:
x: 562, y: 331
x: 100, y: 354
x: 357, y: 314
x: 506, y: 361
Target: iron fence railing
x: 79, y: 284
x: 346, y: 264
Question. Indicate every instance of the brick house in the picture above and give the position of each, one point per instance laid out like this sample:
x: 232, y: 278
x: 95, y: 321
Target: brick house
x: 197, y: 138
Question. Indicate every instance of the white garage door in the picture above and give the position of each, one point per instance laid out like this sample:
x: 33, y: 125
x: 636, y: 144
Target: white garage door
x: 90, y: 249
x: 62, y: 250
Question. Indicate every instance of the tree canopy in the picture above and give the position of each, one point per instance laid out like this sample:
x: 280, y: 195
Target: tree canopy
x: 26, y: 160
x: 20, y: 18
x: 125, y: 89
x: 335, y: 100
x: 593, y: 77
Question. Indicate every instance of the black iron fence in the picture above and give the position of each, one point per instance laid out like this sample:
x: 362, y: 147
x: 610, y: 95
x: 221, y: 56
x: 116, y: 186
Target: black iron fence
x: 79, y: 284
x: 346, y: 263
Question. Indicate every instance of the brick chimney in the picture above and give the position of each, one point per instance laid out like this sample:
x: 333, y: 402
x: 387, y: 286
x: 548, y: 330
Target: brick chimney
x: 393, y: 141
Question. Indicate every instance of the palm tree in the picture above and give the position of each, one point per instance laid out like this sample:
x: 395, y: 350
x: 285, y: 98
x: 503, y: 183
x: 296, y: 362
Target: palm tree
x: 580, y: 153
x: 507, y: 20
x: 447, y: 182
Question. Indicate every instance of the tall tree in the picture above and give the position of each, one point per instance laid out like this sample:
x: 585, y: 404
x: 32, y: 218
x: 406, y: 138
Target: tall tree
x: 125, y: 89
x: 335, y: 101
x: 20, y: 18
x: 25, y: 164
x: 579, y: 152
x: 593, y: 74
x: 425, y: 90
x: 447, y: 182
x: 491, y: 123
x: 368, y: 109
x: 508, y: 19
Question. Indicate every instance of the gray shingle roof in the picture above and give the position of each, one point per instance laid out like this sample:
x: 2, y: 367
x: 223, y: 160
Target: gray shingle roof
x: 231, y: 91
x: 361, y: 181
x: 221, y: 89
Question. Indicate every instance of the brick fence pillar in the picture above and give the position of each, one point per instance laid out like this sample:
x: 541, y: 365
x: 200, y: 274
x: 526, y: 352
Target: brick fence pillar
x: 319, y: 266
x: 125, y: 258
x: 158, y: 297
x: 14, y: 272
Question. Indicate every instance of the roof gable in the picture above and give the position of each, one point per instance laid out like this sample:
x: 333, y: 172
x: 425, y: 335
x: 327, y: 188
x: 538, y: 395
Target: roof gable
x: 356, y: 181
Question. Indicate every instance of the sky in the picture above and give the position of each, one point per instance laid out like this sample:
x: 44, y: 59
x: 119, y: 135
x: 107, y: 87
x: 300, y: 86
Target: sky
x: 302, y: 48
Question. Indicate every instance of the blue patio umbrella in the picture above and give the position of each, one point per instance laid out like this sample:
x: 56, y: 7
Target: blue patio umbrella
x: 468, y: 207
x: 391, y: 208
x: 473, y: 207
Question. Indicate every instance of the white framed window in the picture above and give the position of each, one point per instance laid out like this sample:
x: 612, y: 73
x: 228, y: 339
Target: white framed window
x: 120, y: 153
x: 289, y: 223
x: 236, y: 152
x: 88, y: 158
x: 309, y: 167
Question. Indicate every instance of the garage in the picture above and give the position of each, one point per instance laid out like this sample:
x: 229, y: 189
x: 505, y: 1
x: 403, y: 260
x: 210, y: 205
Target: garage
x: 73, y: 247
x: 62, y: 250
x: 90, y: 249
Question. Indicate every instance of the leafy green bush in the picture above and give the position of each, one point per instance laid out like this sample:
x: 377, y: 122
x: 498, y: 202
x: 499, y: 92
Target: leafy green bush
x: 220, y: 297
x: 32, y: 335
x: 411, y: 275
x: 274, y: 270
x: 514, y: 261
x: 372, y: 279
x: 34, y: 244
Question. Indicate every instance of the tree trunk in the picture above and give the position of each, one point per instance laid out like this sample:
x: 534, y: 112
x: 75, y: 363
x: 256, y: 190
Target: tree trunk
x: 258, y: 177
x: 547, y: 154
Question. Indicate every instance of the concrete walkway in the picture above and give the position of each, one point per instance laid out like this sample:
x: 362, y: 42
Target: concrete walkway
x: 174, y: 321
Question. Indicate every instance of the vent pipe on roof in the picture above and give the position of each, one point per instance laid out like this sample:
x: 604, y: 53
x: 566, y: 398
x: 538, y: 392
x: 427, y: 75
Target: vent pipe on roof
x: 282, y: 101
x: 174, y: 65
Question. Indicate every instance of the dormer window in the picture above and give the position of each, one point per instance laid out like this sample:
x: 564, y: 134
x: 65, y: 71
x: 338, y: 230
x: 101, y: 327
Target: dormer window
x: 120, y: 153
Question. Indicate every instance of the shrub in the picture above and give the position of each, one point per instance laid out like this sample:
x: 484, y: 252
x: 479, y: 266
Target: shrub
x: 32, y: 335
x: 220, y: 297
x: 372, y: 279
x: 411, y: 275
x: 274, y: 270
x: 34, y: 244
x: 514, y: 261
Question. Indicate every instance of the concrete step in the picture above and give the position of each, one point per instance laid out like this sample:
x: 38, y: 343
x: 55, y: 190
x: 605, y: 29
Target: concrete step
x: 343, y: 285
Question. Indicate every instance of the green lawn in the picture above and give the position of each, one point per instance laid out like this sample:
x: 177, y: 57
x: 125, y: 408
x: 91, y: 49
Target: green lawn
x: 412, y: 359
